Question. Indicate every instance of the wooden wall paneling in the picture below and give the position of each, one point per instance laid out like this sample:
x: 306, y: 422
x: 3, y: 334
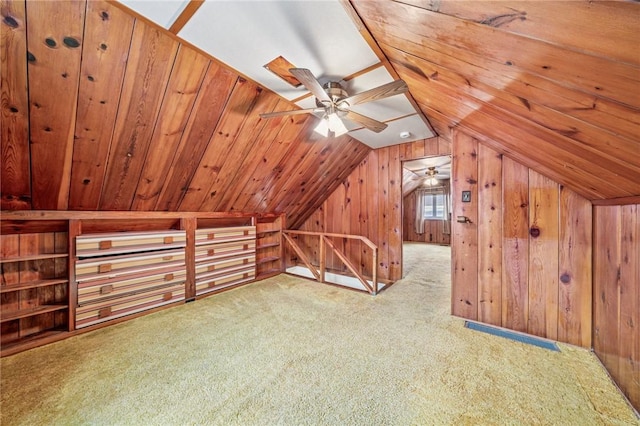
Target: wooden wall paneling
x: 293, y: 152
x: 384, y: 220
x: 337, y: 213
x: 296, y: 172
x: 489, y: 236
x: 324, y: 180
x: 374, y: 205
x: 184, y: 84
x: 444, y: 146
x: 364, y: 215
x: 464, y: 262
x: 254, y: 158
x: 317, y: 171
x: 552, y: 62
x: 515, y: 245
x: 628, y: 375
x: 606, y: 285
x: 231, y: 162
x: 242, y: 100
x: 394, y: 230
x: 543, y: 256
x: 408, y: 206
x: 105, y: 50
x: 575, y: 269
x: 54, y: 34
x: 146, y: 79
x: 307, y: 172
x: 351, y: 203
x: 556, y: 22
x: 209, y: 106
x: 15, y: 175
x: 254, y: 190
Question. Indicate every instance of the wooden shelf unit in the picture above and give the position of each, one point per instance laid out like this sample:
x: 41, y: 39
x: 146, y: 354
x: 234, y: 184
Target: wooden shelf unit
x: 34, y: 290
x: 269, y: 248
x: 128, y: 263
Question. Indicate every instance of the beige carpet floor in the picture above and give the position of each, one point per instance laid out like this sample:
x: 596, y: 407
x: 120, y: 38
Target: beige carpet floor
x: 287, y: 351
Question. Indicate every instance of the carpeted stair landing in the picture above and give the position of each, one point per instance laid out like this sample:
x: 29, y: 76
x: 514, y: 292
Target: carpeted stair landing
x: 287, y: 351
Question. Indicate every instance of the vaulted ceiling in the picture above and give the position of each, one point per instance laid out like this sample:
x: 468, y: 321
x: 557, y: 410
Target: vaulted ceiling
x: 553, y: 84
x: 104, y: 110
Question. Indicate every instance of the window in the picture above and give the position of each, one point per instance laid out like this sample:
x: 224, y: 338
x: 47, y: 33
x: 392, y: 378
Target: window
x: 434, y: 206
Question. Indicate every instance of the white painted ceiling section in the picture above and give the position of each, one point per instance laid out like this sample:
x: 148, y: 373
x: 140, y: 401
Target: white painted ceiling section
x: 162, y: 12
x: 314, y: 34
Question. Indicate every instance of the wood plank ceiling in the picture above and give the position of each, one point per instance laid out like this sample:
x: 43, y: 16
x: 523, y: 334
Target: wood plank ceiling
x: 103, y: 111
x: 553, y: 84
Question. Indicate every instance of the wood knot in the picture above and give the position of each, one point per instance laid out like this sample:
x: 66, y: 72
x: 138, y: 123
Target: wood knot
x: 10, y: 21
x: 50, y: 42
x: 71, y: 42
x: 565, y: 278
x: 534, y: 232
x: 104, y: 16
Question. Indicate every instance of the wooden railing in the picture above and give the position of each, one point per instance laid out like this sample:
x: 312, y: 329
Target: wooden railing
x: 325, y: 242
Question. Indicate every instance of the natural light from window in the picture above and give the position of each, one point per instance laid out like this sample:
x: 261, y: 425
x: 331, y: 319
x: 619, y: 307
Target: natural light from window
x: 434, y: 206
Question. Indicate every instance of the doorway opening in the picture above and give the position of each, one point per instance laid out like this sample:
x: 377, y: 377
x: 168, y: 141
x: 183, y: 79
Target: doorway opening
x: 426, y: 200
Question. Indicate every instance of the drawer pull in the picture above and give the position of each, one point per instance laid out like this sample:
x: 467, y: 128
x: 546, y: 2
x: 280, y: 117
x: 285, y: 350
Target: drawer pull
x: 106, y: 289
x: 168, y: 240
x: 167, y: 258
x: 168, y: 277
x: 104, y: 312
x: 105, y: 267
x: 104, y: 245
x: 167, y: 296
x: 211, y: 268
x: 211, y: 236
x: 211, y: 252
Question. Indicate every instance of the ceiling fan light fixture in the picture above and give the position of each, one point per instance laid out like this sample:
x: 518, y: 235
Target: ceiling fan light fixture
x: 323, y: 127
x: 431, y: 179
x: 331, y: 123
x: 336, y: 125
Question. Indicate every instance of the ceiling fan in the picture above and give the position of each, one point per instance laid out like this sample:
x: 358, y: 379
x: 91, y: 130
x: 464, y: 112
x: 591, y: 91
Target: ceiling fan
x: 335, y: 103
x: 431, y: 176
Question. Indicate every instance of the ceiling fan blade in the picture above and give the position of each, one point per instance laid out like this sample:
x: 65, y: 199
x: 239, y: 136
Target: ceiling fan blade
x: 386, y: 90
x: 369, y: 123
x: 309, y: 81
x: 293, y: 112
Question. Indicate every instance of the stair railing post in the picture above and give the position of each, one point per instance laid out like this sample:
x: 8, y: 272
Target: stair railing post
x: 323, y: 260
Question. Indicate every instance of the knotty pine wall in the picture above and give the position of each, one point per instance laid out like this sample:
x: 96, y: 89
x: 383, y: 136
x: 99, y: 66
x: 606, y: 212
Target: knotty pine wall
x: 524, y: 260
x: 432, y: 228
x: 616, y: 258
x: 369, y: 203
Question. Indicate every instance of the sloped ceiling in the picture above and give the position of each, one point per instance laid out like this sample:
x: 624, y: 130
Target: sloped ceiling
x: 102, y: 110
x: 105, y: 111
x: 553, y: 84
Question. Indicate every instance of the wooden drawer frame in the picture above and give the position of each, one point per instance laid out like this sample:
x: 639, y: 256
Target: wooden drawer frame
x: 92, y: 245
